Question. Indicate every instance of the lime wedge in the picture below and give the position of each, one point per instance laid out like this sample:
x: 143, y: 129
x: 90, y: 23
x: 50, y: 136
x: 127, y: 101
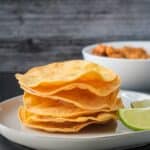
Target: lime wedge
x: 135, y: 118
x: 140, y: 104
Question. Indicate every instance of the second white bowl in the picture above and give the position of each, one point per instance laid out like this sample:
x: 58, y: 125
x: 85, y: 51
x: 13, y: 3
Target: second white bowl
x: 134, y: 73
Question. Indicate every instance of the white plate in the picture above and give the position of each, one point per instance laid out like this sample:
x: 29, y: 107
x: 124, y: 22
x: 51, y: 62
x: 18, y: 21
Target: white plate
x: 93, y: 137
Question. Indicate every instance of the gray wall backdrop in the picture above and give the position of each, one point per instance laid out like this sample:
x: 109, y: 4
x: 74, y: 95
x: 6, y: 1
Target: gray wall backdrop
x: 35, y: 32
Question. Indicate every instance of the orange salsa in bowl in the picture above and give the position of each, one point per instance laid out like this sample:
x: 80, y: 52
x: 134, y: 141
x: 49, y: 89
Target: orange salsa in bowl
x: 126, y: 52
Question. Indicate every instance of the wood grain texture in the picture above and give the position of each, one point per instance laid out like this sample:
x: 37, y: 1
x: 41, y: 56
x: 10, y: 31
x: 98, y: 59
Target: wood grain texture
x: 35, y: 32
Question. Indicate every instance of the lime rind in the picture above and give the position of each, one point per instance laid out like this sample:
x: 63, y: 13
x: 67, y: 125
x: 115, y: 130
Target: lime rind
x: 127, y: 123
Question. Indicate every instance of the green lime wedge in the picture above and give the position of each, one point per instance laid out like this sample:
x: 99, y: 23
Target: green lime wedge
x: 140, y: 104
x: 135, y: 118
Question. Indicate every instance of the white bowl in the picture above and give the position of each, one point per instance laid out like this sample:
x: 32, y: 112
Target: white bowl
x: 134, y: 73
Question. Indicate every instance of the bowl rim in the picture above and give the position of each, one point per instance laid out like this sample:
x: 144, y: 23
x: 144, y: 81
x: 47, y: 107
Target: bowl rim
x: 87, y: 51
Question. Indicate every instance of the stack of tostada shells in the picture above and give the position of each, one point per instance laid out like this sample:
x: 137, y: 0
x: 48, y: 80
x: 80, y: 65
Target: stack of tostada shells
x: 68, y: 96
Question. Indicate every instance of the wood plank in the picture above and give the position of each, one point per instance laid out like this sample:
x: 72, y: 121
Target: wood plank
x: 78, y: 19
x: 35, y: 32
